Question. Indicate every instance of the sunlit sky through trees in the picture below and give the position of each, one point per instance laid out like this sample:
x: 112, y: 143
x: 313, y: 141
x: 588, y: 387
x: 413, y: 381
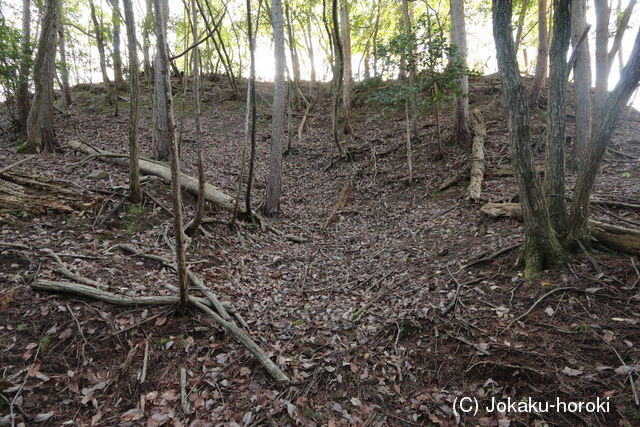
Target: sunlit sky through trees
x: 481, y: 53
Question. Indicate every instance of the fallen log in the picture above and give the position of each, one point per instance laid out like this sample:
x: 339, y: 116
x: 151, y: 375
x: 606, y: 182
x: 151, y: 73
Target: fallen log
x: 621, y: 239
x: 201, y: 303
x: 211, y: 193
x: 37, y: 195
x: 507, y: 170
x: 477, y: 155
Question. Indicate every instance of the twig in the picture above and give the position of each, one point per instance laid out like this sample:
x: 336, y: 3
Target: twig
x: 18, y: 163
x: 183, y: 391
x: 538, y: 301
x: 629, y: 374
x: 26, y: 377
x: 469, y: 343
x: 456, y: 296
x: 145, y: 362
x: 62, y: 269
x: 489, y: 257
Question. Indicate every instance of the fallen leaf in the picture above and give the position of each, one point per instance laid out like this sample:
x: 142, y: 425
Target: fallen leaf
x: 572, y: 372
x: 40, y: 418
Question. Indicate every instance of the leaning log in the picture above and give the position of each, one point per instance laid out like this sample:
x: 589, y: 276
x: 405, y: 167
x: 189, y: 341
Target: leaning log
x: 149, y: 167
x: 620, y: 239
x: 477, y: 155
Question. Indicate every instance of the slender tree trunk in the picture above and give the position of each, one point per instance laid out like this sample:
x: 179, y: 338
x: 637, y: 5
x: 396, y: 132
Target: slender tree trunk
x: 556, y: 116
x: 166, y: 123
x: 274, y: 186
x: 374, y: 41
x: 100, y: 44
x: 40, y: 131
x: 135, y: 194
x: 117, y: 57
x: 602, y: 130
x: 64, y: 66
x: 338, y: 71
x: 541, y: 247
x: 148, y: 20
x: 295, y: 62
x: 409, y: 63
x: 543, y: 55
x: 164, y: 135
x: 25, y: 65
x: 347, y: 77
x: 312, y: 61
x: 251, y: 110
x: 621, y: 26
x: 602, y: 57
x: 199, y: 214
x: 461, y: 132
x: 582, y: 84
x: 520, y: 27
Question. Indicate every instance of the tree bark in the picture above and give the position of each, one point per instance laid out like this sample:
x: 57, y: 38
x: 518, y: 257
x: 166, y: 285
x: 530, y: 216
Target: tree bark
x: 582, y: 84
x: 338, y: 73
x: 162, y: 113
x: 602, y: 57
x: 347, y: 77
x: 117, y: 57
x: 461, y: 132
x: 543, y: 55
x: 199, y: 214
x: 146, y: 45
x: 602, y: 131
x: 40, y: 131
x: 135, y: 194
x: 100, y: 44
x: 25, y: 65
x: 274, y: 185
x: 312, y: 62
x: 409, y: 63
x: 541, y: 247
x: 556, y: 116
x: 64, y: 67
x: 476, y: 175
x: 166, y: 128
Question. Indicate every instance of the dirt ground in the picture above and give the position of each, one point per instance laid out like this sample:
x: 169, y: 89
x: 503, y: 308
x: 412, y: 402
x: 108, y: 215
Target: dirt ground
x: 354, y: 316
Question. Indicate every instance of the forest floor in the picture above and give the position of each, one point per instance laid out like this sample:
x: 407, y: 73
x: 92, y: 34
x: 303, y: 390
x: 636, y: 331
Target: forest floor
x: 354, y: 315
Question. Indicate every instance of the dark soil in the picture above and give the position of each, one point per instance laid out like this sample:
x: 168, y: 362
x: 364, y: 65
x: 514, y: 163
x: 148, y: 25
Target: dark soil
x: 353, y: 316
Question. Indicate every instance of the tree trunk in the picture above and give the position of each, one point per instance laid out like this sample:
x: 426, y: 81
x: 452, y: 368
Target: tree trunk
x: 521, y: 17
x: 64, y: 67
x: 312, y: 62
x: 40, y: 132
x: 148, y: 20
x: 338, y: 73
x: 582, y: 84
x: 274, y: 186
x: 135, y: 195
x: 347, y: 77
x: 602, y: 57
x: 25, y: 65
x: 117, y: 57
x: 461, y: 132
x: 410, y: 64
x: 295, y: 62
x: 162, y: 112
x: 199, y: 214
x: 166, y: 126
x: 602, y: 131
x: 556, y: 116
x: 541, y: 247
x: 100, y: 44
x: 621, y: 25
x: 543, y: 55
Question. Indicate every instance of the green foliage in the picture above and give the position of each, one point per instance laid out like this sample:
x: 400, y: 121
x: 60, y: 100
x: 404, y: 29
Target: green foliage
x: 425, y: 50
x: 11, y: 58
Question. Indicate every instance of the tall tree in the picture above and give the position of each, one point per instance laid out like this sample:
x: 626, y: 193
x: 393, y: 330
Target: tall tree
x: 582, y: 83
x: 98, y: 30
x: 23, y: 83
x: 135, y: 194
x: 163, y: 134
x: 199, y: 214
x: 165, y: 124
x: 556, y: 116
x: 347, y: 77
x: 338, y: 72
x: 541, y: 246
x: 461, y: 131
x: 40, y: 131
x: 542, y: 59
x: 64, y: 65
x: 602, y: 130
x: 117, y: 57
x: 408, y: 61
x: 146, y: 44
x: 274, y: 186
